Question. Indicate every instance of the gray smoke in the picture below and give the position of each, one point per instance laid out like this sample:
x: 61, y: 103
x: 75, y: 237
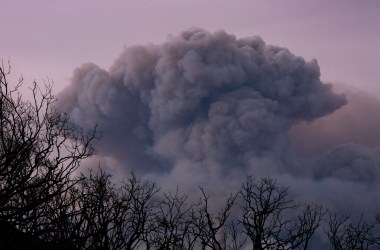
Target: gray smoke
x: 208, y: 108
x: 350, y: 162
x: 357, y: 122
x: 342, y: 151
x: 200, y: 97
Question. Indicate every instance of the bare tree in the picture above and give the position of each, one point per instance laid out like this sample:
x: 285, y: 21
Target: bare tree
x: 39, y: 151
x: 137, y: 212
x: 344, y: 234
x: 267, y: 216
x: 98, y: 199
x: 264, y: 204
x: 212, y: 229
x: 304, y: 227
x: 61, y: 223
x: 111, y: 216
x: 174, y: 223
x: 233, y: 237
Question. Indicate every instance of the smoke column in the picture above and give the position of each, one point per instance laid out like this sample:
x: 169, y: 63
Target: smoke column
x: 208, y: 108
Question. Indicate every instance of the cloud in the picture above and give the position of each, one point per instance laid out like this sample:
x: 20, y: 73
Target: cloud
x: 208, y: 108
x: 357, y: 122
x: 202, y: 97
x: 341, y: 152
x: 351, y: 162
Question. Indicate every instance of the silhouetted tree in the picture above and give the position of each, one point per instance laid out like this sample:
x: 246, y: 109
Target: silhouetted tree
x: 174, y: 223
x: 39, y: 151
x: 233, y: 237
x: 137, y: 211
x: 344, y: 234
x: 212, y: 228
x: 267, y: 216
x: 303, y: 228
x: 98, y: 201
x: 114, y: 216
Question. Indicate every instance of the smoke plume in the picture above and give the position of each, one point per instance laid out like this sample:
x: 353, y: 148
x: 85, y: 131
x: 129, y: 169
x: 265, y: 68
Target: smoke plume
x: 208, y: 108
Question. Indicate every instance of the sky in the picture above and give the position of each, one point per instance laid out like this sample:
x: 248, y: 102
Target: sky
x: 205, y: 92
x: 47, y: 39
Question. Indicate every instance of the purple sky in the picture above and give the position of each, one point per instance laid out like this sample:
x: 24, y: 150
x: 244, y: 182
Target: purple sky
x: 49, y: 38
x: 334, y: 160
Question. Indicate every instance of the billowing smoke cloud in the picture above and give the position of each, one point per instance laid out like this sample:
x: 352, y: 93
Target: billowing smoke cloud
x: 351, y: 162
x: 342, y: 151
x: 357, y: 122
x: 208, y: 108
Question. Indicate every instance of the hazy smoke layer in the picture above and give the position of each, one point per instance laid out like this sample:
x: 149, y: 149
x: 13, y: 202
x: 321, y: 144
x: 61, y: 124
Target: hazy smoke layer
x: 357, y: 122
x: 343, y: 154
x: 204, y: 108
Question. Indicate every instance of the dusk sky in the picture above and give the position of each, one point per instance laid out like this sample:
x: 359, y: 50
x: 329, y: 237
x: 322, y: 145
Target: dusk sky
x: 204, y: 92
x: 48, y: 39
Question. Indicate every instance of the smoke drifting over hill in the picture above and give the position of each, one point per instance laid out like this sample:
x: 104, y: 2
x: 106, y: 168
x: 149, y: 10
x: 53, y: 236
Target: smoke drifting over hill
x: 208, y: 108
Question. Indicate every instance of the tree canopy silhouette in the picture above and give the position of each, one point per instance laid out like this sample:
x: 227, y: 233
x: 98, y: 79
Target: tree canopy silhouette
x: 39, y: 151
